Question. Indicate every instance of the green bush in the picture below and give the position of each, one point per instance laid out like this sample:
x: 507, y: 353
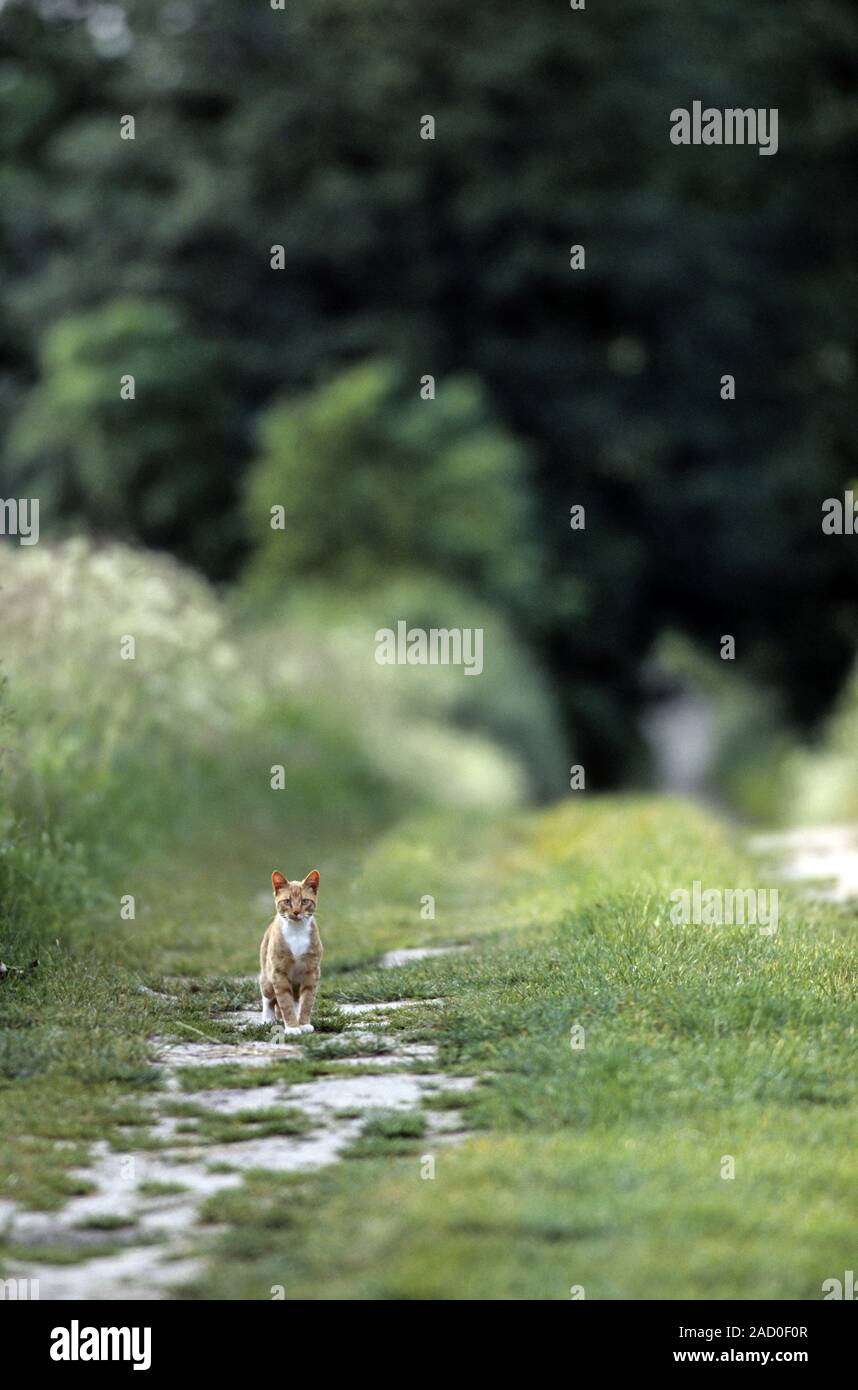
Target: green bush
x: 152, y: 464
x: 376, y: 481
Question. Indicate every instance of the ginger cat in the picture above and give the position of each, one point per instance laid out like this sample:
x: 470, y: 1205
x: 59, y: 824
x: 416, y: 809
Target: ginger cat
x: 290, y: 956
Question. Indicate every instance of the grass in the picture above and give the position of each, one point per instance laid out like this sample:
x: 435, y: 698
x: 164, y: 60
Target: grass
x: 597, y: 1165
x: 29, y: 1255
x: 624, y: 1213
x: 248, y: 1124
x: 161, y: 1189
x: 706, y: 1050
x: 446, y: 1100
x: 106, y: 1221
x: 387, y: 1132
x: 149, y: 782
x: 46, y: 1133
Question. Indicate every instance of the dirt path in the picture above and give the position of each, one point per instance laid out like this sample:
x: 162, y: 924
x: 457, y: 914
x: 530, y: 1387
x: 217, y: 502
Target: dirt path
x: 146, y: 1201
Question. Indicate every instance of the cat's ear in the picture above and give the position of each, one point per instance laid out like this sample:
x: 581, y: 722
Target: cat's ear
x: 277, y: 881
x: 312, y: 880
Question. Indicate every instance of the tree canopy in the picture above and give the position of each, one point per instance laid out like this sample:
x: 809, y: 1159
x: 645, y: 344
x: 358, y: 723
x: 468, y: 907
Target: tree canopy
x: 600, y: 386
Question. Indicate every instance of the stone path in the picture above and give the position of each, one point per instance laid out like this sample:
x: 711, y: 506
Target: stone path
x: 156, y: 1228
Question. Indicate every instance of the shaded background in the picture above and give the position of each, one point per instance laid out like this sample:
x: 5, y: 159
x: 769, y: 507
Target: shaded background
x: 405, y: 257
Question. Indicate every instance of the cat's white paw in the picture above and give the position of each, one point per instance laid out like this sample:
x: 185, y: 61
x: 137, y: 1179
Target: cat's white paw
x: 292, y: 1028
x: 306, y: 1028
x: 267, y: 1011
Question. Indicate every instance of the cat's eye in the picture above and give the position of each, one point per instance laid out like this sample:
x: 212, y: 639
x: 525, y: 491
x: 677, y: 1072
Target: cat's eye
x: 307, y: 902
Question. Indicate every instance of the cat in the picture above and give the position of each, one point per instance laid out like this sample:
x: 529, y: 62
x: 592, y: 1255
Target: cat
x: 290, y: 956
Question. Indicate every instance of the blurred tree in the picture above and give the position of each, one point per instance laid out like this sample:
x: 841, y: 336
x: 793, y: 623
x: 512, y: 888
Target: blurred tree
x: 376, y: 482
x: 128, y: 427
x: 378, y: 503
x: 301, y: 127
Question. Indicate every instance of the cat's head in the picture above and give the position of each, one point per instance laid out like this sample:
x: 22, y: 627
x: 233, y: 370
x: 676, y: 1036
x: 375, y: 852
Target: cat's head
x: 295, y: 901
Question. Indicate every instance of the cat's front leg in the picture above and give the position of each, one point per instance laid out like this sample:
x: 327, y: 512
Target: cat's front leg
x: 286, y: 1005
x: 268, y: 1001
x: 268, y: 1011
x: 305, y: 1006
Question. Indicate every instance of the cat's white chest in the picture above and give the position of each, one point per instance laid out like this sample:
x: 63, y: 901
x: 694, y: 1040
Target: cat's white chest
x: 296, y: 935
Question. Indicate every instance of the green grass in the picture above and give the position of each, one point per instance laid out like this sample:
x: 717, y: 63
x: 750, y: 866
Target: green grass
x: 161, y: 1189
x: 151, y: 779
x: 387, y: 1132
x: 76, y: 1053
x: 47, y: 1128
x: 626, y: 1213
x: 600, y: 1166
x: 29, y: 1255
x: 107, y: 1221
x: 447, y: 1100
x: 597, y: 1166
x: 248, y: 1124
